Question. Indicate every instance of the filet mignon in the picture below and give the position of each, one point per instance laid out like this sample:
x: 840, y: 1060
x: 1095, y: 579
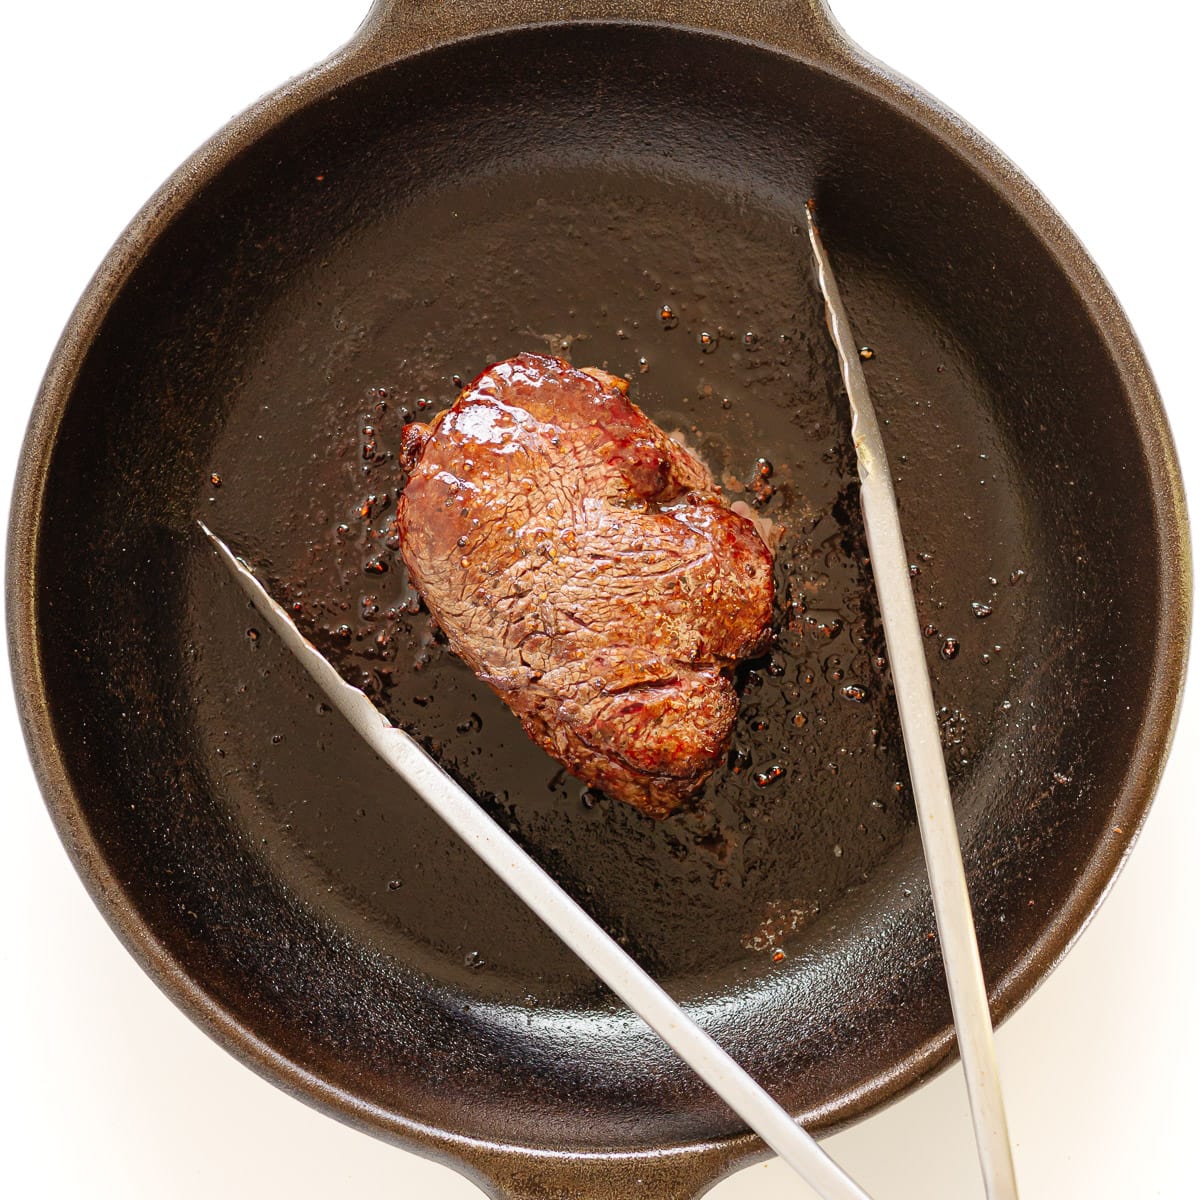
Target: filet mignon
x: 587, y: 569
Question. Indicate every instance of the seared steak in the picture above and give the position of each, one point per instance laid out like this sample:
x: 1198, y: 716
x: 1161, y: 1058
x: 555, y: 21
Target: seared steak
x: 586, y: 568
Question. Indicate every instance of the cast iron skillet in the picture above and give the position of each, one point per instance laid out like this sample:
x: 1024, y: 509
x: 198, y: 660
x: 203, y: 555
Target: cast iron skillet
x: 461, y: 182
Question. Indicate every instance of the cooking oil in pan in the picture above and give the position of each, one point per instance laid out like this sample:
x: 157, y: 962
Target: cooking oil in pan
x: 723, y: 340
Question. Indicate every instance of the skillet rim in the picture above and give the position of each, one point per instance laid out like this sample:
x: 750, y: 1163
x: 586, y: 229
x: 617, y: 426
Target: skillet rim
x: 826, y: 51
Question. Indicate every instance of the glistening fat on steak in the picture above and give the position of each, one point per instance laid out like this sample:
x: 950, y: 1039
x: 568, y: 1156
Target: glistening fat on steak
x: 586, y: 568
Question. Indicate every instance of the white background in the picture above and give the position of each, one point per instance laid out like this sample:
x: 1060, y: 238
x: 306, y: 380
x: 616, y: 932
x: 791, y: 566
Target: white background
x: 112, y: 1093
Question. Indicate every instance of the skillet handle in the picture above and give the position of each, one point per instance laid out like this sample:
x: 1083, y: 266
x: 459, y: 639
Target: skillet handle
x: 395, y: 28
x: 668, y: 1175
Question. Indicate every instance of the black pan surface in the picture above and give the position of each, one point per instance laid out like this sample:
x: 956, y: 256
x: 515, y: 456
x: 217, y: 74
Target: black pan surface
x: 337, y: 278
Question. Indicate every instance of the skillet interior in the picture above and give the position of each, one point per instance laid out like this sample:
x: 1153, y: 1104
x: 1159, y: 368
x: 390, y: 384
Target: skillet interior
x: 568, y: 184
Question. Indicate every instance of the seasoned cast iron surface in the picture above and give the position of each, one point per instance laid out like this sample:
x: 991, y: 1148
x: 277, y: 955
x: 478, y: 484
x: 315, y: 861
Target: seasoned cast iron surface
x: 812, y: 797
x: 631, y: 200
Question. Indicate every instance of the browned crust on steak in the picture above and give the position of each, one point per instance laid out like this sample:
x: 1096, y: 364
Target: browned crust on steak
x: 585, y: 567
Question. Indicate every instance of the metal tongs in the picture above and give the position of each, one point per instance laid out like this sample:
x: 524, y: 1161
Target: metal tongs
x: 923, y: 749
x: 612, y: 964
x: 548, y: 900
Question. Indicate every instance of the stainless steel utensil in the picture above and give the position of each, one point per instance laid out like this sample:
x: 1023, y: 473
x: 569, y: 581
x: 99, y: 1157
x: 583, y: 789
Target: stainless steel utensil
x: 923, y: 748
x: 548, y: 900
